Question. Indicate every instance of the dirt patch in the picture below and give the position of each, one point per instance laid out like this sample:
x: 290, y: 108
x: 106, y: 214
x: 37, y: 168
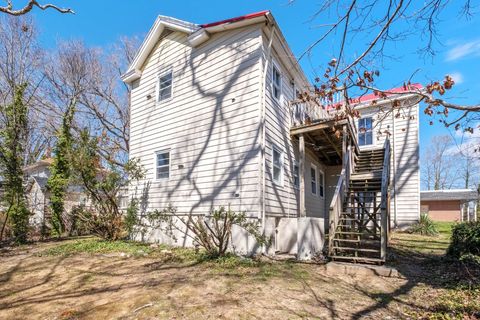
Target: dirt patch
x: 111, y: 286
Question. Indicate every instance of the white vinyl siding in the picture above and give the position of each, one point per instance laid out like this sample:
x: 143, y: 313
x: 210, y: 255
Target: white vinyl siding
x: 404, y: 166
x: 210, y: 123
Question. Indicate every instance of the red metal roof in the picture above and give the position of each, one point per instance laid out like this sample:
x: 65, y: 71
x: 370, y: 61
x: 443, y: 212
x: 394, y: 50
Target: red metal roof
x: 373, y: 96
x: 236, y: 19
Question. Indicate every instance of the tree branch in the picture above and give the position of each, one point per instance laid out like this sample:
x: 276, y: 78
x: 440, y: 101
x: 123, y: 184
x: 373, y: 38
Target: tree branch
x: 8, y: 9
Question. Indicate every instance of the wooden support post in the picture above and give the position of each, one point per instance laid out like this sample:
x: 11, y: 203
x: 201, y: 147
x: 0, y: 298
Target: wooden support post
x: 475, y: 212
x: 301, y: 168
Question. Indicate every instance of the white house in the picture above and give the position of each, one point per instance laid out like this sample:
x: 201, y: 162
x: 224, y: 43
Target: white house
x: 215, y: 122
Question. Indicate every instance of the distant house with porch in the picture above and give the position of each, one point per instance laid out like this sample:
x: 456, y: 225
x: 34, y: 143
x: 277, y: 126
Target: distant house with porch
x: 215, y: 120
x: 450, y: 205
x: 38, y: 196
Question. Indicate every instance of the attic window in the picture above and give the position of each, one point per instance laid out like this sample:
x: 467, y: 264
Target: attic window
x: 276, y: 83
x: 165, y: 86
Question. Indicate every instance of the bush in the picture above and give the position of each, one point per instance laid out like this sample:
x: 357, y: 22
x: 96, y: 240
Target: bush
x: 424, y: 226
x: 212, y: 232
x: 465, y: 240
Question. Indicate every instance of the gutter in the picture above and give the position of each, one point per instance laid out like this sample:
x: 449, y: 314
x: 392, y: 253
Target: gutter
x: 263, y: 124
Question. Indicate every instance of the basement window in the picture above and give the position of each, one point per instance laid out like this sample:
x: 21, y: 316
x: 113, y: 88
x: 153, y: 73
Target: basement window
x: 277, y: 165
x: 365, y: 131
x: 162, y: 165
x: 165, y: 86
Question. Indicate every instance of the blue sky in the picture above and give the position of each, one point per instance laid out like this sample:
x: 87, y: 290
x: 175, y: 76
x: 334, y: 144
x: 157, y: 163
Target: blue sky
x: 100, y: 23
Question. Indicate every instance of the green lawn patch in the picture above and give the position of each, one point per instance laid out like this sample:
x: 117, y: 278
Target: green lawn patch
x: 97, y: 246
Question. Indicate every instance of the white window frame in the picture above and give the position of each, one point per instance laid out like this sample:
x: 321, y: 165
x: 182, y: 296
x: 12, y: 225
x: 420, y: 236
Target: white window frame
x: 321, y: 183
x: 364, y: 133
x: 280, y: 151
x: 296, y: 173
x: 169, y: 164
x: 276, y: 68
x: 314, y: 167
x: 160, y: 75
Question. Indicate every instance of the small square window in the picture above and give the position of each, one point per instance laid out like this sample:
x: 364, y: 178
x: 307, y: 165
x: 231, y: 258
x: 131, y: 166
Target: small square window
x: 162, y: 165
x: 276, y: 83
x: 365, y: 131
x: 277, y: 165
x: 165, y: 86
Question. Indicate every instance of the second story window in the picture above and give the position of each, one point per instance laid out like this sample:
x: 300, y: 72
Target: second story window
x: 165, y: 86
x: 365, y: 131
x: 162, y: 165
x: 276, y: 83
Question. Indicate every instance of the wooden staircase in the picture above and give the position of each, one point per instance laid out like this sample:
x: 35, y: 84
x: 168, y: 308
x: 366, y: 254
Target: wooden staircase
x: 359, y: 220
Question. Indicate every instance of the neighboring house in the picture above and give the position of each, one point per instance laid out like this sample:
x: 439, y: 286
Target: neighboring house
x: 215, y: 121
x: 38, y: 195
x: 450, y: 205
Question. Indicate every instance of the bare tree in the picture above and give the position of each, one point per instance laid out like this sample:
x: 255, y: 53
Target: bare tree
x: 440, y: 168
x: 90, y: 77
x: 375, y: 26
x: 22, y: 63
x: 8, y: 9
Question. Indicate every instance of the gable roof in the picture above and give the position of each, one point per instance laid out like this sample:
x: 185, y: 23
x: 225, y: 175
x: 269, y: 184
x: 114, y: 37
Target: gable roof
x: 197, y: 35
x: 445, y: 195
x: 41, y: 163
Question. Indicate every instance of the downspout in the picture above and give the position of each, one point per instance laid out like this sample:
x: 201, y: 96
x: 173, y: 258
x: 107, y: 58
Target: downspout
x: 394, y: 172
x: 263, y: 123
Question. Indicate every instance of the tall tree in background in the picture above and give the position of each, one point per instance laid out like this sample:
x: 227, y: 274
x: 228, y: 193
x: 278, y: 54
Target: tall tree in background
x: 61, y: 170
x: 13, y: 139
x: 439, y: 171
x: 23, y: 62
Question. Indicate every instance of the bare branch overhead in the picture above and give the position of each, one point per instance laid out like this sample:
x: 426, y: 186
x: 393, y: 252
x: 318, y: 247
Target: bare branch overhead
x: 8, y: 9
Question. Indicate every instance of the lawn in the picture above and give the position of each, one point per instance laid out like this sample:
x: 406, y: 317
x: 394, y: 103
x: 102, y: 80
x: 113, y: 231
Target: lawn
x: 92, y: 279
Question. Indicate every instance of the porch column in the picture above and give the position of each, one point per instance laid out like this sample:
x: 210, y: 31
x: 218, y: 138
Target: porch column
x: 301, y: 169
x: 475, y: 212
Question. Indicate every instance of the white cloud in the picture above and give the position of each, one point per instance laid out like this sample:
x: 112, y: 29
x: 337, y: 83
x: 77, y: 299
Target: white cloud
x: 463, y: 50
x: 457, y: 77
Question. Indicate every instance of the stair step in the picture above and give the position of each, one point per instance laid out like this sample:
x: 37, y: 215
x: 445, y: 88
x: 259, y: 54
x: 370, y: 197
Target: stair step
x: 357, y: 249
x: 361, y: 242
x: 358, y: 259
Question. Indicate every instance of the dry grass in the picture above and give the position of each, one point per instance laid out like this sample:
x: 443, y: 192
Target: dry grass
x: 91, y: 279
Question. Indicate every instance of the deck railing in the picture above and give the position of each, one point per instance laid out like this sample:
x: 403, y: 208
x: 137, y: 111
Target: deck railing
x: 304, y: 112
x: 336, y: 206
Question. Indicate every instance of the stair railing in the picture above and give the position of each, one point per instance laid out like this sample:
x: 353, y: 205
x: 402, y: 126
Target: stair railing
x: 336, y: 206
x: 384, y: 204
